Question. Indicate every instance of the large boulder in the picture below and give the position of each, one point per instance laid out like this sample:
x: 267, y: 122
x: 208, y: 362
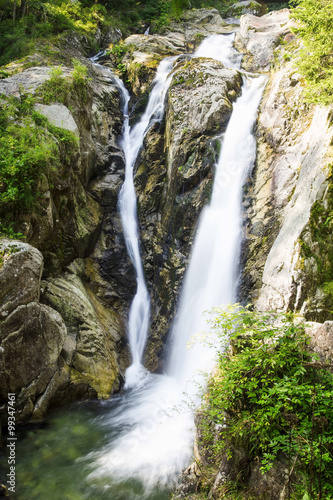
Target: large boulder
x: 21, y: 267
x: 32, y: 335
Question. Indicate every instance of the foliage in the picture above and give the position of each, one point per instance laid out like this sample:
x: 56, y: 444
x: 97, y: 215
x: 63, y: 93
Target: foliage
x: 56, y: 88
x: 60, y: 89
x: 118, y: 51
x: 29, y: 148
x: 26, y: 24
x: 271, y: 396
x: 316, y: 58
x: 33, y: 20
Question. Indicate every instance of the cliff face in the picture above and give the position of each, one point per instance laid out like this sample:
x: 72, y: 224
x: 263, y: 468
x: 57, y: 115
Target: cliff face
x: 286, y: 264
x: 65, y: 339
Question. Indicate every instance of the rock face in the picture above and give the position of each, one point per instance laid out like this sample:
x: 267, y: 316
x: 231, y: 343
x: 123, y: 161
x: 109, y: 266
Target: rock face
x: 258, y: 36
x: 32, y: 334
x: 84, y: 300
x: 174, y: 180
x: 290, y: 180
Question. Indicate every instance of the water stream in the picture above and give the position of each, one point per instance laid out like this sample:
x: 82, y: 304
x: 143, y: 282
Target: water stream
x: 131, y: 143
x: 135, y: 445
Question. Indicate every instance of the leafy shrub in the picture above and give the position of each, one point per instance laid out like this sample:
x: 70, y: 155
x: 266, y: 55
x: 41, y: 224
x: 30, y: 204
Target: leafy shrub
x: 56, y: 88
x: 273, y: 395
x: 29, y: 147
x: 316, y: 58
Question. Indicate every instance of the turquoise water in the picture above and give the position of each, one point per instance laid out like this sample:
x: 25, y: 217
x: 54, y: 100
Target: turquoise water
x: 53, y: 461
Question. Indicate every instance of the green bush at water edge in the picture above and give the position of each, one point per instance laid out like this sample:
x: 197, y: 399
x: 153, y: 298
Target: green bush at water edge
x: 274, y: 397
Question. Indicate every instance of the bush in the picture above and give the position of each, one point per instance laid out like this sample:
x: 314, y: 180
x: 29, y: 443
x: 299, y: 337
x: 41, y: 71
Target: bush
x: 316, y: 58
x: 29, y: 147
x: 274, y: 396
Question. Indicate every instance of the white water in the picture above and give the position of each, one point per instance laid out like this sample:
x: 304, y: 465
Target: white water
x: 131, y: 143
x: 154, y: 422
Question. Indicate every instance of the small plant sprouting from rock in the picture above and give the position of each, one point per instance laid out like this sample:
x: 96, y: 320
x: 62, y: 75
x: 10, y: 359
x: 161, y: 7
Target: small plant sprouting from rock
x: 60, y: 89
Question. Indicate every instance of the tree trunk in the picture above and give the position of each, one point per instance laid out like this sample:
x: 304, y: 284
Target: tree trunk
x: 23, y: 7
x: 14, y: 11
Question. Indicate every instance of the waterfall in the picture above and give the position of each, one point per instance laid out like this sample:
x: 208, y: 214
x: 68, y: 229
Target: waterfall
x: 153, y: 425
x: 131, y: 143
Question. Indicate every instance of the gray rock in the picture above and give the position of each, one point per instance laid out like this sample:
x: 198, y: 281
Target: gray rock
x: 281, y: 272
x: 60, y: 116
x: 291, y: 175
x: 93, y: 330
x: 258, y: 36
x: 29, y: 79
x: 20, y: 274
x: 246, y: 7
x: 321, y: 340
x: 32, y: 337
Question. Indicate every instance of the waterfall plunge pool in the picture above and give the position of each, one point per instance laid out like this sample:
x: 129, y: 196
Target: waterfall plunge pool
x: 54, y: 460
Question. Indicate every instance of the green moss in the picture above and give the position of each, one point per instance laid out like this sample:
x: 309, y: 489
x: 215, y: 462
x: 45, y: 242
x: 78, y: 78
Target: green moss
x: 317, y: 246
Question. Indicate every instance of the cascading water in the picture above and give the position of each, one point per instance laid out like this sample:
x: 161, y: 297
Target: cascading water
x: 131, y: 143
x: 154, y: 421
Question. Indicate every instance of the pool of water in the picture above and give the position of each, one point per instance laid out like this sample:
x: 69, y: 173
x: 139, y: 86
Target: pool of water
x: 55, y: 461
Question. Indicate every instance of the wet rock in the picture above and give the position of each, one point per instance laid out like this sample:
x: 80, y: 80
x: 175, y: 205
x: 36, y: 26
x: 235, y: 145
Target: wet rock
x: 93, y: 331
x: 146, y: 51
x: 187, y: 483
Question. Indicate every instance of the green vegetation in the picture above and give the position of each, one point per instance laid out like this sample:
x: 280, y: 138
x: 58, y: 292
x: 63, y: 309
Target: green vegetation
x: 272, y: 399
x: 316, y: 58
x: 60, y: 89
x: 27, y: 23
x: 30, y: 147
